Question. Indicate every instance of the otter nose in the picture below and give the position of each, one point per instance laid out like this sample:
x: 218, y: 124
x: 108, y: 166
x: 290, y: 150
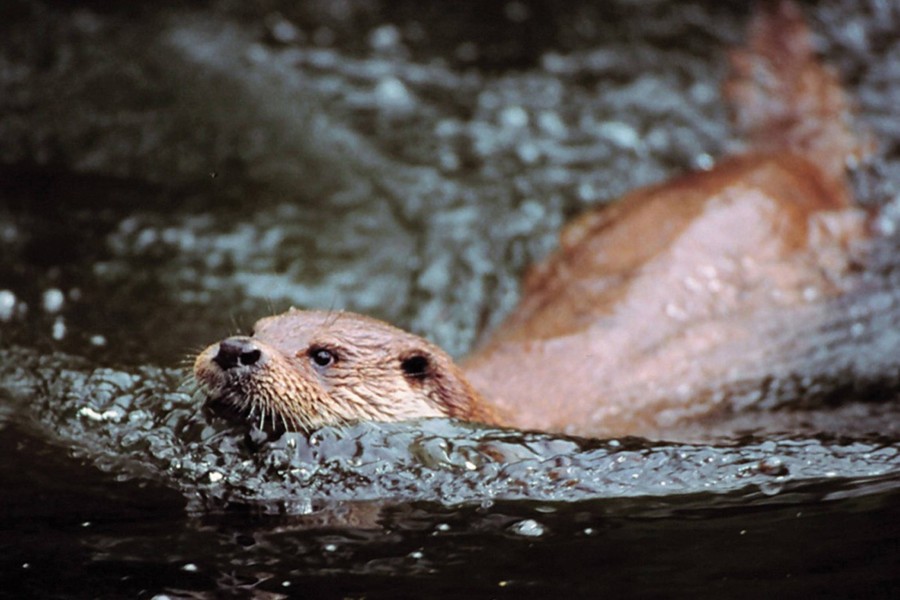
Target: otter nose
x: 236, y: 352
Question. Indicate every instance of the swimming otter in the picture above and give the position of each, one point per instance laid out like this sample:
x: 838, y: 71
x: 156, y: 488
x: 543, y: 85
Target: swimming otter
x: 680, y: 299
x: 305, y: 369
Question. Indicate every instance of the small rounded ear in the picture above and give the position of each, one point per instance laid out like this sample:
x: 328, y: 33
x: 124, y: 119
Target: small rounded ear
x: 416, y: 365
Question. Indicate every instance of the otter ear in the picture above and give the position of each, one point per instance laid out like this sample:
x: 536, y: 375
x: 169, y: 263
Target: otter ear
x: 416, y: 365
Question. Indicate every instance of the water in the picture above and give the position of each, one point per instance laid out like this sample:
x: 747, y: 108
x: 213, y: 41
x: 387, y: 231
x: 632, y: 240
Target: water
x: 167, y: 175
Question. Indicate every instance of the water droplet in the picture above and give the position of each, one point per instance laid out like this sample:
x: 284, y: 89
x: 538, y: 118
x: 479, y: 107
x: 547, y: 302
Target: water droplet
x: 551, y: 124
x: 587, y: 192
x: 527, y: 528
x: 621, y: 134
x: 704, y: 161
x: 513, y: 117
x: 772, y: 487
x: 384, y: 37
x: 392, y: 94
x: 7, y: 305
x: 283, y: 31
x: 528, y: 152
x: 53, y: 300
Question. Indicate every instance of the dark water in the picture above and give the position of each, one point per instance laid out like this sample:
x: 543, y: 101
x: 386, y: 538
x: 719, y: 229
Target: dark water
x: 168, y: 173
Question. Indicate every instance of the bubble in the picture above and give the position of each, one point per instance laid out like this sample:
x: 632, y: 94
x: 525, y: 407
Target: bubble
x: 392, y: 94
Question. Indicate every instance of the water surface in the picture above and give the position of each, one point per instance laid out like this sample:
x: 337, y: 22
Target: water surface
x: 169, y: 174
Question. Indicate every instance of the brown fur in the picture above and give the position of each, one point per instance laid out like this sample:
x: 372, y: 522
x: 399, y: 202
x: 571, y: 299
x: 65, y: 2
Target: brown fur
x: 285, y: 389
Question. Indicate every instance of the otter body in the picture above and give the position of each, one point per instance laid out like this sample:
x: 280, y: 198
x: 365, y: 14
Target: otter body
x: 679, y: 301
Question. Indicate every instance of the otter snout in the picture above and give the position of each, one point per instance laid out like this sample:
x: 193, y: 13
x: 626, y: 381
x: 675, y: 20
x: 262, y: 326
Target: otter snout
x: 238, y: 351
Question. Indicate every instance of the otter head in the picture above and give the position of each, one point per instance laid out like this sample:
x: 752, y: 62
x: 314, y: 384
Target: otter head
x: 304, y: 369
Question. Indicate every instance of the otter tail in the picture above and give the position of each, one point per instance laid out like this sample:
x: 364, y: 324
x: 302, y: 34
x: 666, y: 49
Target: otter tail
x: 784, y: 99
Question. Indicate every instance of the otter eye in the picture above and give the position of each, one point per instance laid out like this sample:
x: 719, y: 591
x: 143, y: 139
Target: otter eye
x: 322, y: 357
x: 415, y: 366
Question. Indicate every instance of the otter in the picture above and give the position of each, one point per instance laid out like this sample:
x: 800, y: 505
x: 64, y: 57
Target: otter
x: 676, y: 303
x: 304, y: 369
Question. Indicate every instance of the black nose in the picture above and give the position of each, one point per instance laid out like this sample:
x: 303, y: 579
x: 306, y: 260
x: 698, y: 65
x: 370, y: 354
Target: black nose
x: 236, y: 352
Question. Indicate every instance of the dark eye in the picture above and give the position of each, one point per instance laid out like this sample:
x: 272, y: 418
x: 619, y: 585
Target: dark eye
x: 322, y: 357
x: 415, y: 366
